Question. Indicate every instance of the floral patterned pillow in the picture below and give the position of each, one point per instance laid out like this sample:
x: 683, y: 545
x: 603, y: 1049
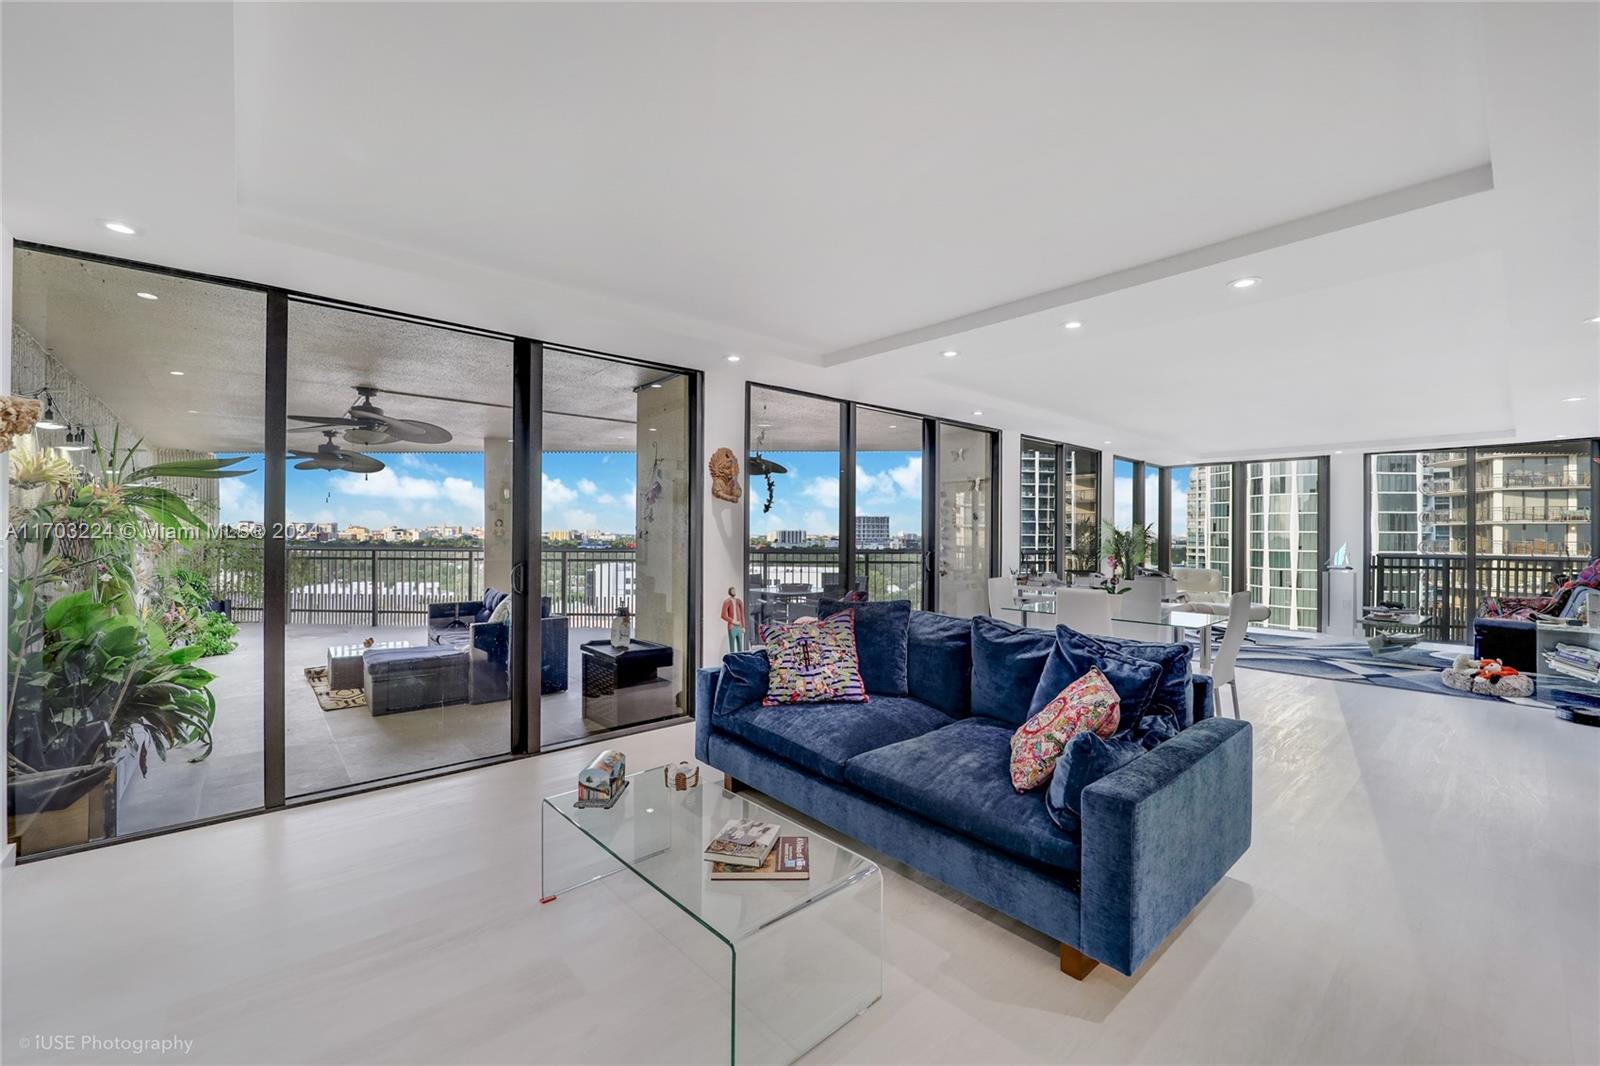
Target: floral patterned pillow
x: 813, y: 661
x: 1087, y: 705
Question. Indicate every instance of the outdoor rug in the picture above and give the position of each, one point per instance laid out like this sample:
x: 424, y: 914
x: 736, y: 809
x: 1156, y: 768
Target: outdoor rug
x: 332, y: 699
x: 1415, y: 668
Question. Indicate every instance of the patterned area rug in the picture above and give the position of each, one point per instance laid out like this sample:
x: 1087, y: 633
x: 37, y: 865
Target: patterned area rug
x: 332, y: 699
x: 1415, y: 668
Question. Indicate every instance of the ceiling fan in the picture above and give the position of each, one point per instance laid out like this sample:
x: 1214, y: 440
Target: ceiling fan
x: 365, y: 423
x: 330, y: 456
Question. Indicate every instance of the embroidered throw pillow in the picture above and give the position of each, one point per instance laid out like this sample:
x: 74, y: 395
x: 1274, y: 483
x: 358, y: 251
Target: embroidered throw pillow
x: 1088, y: 705
x: 813, y: 661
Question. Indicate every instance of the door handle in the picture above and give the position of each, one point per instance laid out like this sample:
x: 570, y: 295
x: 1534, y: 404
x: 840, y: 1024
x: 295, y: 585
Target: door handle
x: 519, y: 579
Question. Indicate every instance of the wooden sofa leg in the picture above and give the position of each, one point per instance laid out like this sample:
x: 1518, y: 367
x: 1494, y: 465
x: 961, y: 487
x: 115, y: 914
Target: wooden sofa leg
x: 1075, y: 964
x: 729, y: 784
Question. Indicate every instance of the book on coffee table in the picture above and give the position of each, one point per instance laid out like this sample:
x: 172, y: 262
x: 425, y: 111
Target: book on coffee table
x: 789, y: 860
x: 742, y: 842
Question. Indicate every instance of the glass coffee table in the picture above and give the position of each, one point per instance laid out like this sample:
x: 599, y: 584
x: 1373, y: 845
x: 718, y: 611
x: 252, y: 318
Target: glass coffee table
x: 796, y: 960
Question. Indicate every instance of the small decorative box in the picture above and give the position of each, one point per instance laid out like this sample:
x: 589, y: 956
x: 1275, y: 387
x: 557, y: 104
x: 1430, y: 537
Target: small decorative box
x: 681, y: 776
x: 602, y: 781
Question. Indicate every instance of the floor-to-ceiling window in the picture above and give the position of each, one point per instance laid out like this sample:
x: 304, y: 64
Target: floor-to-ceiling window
x: 848, y: 499
x: 1202, y: 518
x: 889, y: 505
x: 1286, y: 530
x: 398, y: 530
x: 263, y: 545
x: 134, y: 674
x: 1448, y: 529
x: 1059, y: 507
x: 618, y: 466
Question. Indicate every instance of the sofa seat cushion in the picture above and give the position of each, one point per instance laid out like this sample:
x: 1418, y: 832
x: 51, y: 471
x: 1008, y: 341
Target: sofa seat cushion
x: 822, y: 737
x: 959, y: 777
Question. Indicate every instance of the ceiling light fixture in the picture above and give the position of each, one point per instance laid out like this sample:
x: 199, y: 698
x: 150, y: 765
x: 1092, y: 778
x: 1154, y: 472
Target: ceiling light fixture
x: 1244, y: 283
x: 1573, y: 399
x: 1337, y: 452
x: 147, y: 296
x: 977, y: 414
x: 1105, y: 442
x: 950, y: 354
x: 1074, y: 324
x: 652, y: 429
x: 893, y: 426
x: 193, y: 412
x: 657, y: 385
x: 176, y: 373
x: 75, y: 441
x: 120, y: 227
x: 1593, y: 320
x: 733, y: 358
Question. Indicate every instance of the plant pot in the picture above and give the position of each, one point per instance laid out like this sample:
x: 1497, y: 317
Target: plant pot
x: 54, y: 809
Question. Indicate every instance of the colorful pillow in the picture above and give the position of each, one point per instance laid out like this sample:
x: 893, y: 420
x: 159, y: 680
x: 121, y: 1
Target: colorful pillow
x: 813, y: 661
x: 1088, y: 705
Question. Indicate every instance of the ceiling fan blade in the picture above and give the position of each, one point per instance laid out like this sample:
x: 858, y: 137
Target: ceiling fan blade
x: 324, y: 420
x: 414, y: 432
x: 357, y: 463
x: 311, y: 464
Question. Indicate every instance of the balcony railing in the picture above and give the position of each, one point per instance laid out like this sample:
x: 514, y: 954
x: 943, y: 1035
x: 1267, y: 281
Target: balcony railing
x: 1438, y: 585
x: 884, y: 573
x: 392, y: 585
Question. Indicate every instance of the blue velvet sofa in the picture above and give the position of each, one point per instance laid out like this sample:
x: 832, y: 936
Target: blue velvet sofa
x: 922, y: 776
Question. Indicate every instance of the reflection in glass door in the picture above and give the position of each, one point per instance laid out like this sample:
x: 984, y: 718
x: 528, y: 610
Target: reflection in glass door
x: 889, y: 560
x: 964, y: 555
x: 397, y: 520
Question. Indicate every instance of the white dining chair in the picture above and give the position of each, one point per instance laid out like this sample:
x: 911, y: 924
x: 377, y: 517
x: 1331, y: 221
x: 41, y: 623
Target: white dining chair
x: 1222, y: 663
x: 1003, y: 595
x: 1086, y: 610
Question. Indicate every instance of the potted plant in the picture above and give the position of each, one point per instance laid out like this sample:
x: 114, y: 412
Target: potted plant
x: 94, y: 679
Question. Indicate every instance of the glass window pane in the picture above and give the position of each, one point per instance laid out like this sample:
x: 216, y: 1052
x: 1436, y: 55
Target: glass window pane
x: 1122, y: 493
x: 1283, y: 511
x: 888, y: 488
x: 1082, y: 536
x: 794, y: 472
x: 398, y: 515
x: 616, y: 552
x: 1039, y: 488
x: 965, y: 506
x: 139, y: 382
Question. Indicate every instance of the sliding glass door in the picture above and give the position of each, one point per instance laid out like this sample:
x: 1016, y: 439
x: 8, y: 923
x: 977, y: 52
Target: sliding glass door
x: 397, y: 535
x: 965, y: 555
x: 888, y: 543
x: 1286, y: 528
x: 1058, y: 507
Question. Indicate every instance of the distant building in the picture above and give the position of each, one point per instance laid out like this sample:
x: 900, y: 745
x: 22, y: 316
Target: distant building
x: 791, y: 538
x: 872, y: 531
x: 360, y: 534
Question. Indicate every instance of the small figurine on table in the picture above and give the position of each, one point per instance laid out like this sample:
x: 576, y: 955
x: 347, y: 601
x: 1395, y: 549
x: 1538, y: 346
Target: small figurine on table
x: 733, y: 615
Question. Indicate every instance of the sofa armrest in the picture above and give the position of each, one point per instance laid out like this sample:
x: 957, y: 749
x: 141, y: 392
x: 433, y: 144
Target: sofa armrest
x: 1158, y: 833
x: 705, y: 697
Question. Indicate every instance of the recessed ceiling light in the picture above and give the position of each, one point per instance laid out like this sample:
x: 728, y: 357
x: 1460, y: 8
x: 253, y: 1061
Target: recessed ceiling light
x: 652, y: 429
x: 977, y: 412
x: 657, y: 385
x: 1573, y: 399
x: 733, y: 358
x: 1596, y: 318
x: 1338, y: 453
x: 176, y: 373
x: 1105, y: 442
x: 950, y: 354
x: 121, y: 227
x: 193, y: 412
x: 1244, y: 283
x: 1074, y: 324
x: 147, y: 296
x: 893, y: 426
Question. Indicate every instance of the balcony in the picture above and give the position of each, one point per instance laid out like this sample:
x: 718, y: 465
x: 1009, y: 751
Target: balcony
x: 1439, y: 585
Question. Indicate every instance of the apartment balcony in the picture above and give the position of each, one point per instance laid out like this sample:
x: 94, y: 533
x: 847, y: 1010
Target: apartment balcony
x: 1513, y: 481
x: 1442, y: 586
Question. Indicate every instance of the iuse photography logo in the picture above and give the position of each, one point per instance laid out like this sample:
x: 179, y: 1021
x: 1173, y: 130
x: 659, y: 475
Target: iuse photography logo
x: 94, y: 1042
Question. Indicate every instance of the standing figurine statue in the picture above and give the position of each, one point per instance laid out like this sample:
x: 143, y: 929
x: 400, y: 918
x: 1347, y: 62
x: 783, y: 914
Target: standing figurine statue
x: 733, y: 615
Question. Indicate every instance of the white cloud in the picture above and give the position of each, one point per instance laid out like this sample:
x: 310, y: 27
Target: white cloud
x: 587, y: 487
x: 823, y: 490
x: 238, y: 501
x: 459, y: 490
x: 908, y: 476
x: 555, y: 493
x: 577, y: 518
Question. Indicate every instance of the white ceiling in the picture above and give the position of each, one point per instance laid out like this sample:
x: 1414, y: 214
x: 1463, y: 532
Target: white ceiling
x: 850, y: 189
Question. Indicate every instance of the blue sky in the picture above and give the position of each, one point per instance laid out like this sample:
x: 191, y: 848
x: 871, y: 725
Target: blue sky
x: 807, y: 497
x: 581, y: 491
x: 1122, y: 499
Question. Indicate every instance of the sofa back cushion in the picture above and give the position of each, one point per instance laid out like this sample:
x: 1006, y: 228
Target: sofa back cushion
x: 1074, y: 654
x: 881, y: 636
x: 1007, y: 662
x: 813, y: 661
x: 939, y: 661
x: 1174, y: 691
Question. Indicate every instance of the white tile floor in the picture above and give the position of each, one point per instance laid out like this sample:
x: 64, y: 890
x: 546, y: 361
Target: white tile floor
x: 1424, y: 886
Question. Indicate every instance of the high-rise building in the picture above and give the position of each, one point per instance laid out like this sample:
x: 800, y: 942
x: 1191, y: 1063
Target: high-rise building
x: 1208, y: 543
x: 791, y: 538
x: 1040, y: 492
x: 1285, y: 551
x: 872, y: 531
